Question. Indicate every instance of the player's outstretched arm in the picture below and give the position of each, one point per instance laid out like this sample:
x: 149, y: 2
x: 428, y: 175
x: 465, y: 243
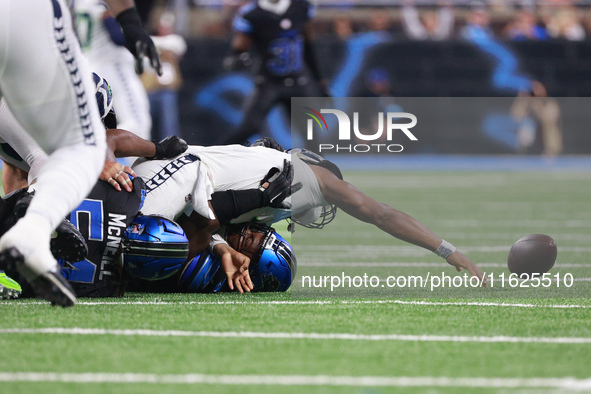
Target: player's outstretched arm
x: 124, y: 144
x: 137, y: 41
x: 398, y: 224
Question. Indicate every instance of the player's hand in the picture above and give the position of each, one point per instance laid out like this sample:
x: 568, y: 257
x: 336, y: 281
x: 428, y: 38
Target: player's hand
x: 170, y: 147
x: 235, y: 265
x: 460, y: 261
x: 277, y: 186
x: 117, y: 175
x: 137, y: 41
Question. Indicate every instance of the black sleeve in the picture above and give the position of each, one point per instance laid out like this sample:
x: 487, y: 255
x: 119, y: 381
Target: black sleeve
x: 230, y: 204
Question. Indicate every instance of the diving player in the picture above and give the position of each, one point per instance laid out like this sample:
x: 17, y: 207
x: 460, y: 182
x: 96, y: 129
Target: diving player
x: 278, y: 32
x: 322, y: 191
x: 46, y: 84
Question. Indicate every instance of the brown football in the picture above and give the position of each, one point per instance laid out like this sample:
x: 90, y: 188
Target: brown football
x: 532, y: 255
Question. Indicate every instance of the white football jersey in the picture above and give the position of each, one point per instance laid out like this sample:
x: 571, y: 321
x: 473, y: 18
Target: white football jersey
x: 237, y: 167
x: 173, y: 190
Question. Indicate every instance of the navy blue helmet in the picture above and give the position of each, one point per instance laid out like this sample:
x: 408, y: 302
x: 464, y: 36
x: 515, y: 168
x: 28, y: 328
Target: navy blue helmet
x: 154, y: 247
x: 103, y: 94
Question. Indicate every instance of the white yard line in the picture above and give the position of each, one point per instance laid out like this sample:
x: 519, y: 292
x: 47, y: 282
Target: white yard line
x: 323, y: 263
x: 394, y: 249
x: 311, y: 302
x: 299, y: 380
x: 296, y: 335
x: 479, y: 304
x: 553, y: 223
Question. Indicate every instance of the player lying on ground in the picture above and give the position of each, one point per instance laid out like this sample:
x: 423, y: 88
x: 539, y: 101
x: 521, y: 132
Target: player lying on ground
x: 103, y: 217
x: 271, y: 264
x: 322, y: 191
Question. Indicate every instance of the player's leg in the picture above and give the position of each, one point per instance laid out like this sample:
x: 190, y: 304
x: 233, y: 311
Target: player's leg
x: 28, y: 154
x: 48, y: 88
x: 255, y: 113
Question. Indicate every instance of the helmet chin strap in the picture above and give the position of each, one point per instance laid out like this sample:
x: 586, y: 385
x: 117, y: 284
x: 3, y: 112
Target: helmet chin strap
x: 275, y: 6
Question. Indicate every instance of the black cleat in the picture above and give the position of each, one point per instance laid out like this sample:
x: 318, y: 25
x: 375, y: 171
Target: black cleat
x: 22, y: 204
x: 67, y: 242
x: 50, y: 285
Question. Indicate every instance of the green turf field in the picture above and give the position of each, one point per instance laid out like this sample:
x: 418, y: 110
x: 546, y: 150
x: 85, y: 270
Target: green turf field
x: 502, y: 339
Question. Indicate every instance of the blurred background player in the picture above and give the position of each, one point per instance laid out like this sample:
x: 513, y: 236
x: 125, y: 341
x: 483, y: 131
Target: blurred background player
x: 278, y: 32
x: 47, y: 85
x: 103, y: 44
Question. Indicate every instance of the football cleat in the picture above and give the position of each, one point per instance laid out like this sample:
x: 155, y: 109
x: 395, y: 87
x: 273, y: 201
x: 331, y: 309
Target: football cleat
x: 66, y: 243
x: 9, y: 288
x: 49, y: 285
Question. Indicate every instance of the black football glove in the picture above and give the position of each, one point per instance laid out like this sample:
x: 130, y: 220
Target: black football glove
x: 137, y: 41
x: 279, y: 187
x: 170, y: 147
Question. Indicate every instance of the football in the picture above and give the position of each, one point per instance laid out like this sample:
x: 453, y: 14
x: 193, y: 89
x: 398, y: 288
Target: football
x: 532, y: 255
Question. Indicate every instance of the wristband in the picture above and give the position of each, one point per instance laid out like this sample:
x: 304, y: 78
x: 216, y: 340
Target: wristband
x: 216, y: 239
x: 445, y: 249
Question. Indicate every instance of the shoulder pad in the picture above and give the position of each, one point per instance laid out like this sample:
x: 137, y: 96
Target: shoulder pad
x: 310, y: 157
